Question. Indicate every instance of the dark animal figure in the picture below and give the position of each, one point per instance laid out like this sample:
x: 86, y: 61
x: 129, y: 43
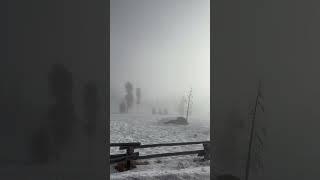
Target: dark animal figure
x: 122, y: 166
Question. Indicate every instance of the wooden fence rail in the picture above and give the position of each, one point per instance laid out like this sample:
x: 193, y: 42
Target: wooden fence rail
x: 199, y: 152
x: 131, y: 155
x: 139, y: 146
x: 125, y: 144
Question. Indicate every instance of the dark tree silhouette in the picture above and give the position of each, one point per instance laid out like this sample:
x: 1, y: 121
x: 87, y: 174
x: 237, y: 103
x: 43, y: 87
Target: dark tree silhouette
x: 129, y: 100
x: 122, y: 107
x: 61, y: 114
x: 129, y: 96
x: 138, y: 94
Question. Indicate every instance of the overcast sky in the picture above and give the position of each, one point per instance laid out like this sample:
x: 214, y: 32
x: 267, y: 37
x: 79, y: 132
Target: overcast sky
x: 161, y: 46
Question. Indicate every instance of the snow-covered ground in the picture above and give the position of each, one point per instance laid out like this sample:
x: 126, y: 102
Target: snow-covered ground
x: 147, y: 130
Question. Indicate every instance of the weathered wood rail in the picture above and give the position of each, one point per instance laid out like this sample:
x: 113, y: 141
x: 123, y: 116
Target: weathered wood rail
x: 131, y: 155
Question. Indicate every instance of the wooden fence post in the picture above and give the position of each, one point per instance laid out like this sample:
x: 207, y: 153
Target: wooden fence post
x: 130, y: 151
x: 206, y: 148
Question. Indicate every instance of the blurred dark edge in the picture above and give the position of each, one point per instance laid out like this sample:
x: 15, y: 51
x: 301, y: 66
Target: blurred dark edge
x: 34, y: 35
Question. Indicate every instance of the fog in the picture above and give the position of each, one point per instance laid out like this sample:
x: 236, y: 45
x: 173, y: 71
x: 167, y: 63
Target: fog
x: 161, y: 47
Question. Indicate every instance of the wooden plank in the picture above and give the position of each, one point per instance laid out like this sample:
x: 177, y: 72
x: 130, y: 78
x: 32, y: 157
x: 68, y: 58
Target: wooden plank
x: 171, y: 154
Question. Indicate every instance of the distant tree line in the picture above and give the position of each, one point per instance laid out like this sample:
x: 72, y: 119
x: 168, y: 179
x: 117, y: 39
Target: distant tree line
x: 160, y: 111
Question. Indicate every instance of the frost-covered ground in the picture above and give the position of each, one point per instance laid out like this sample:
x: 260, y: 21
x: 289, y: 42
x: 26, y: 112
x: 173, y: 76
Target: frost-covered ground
x: 147, y: 130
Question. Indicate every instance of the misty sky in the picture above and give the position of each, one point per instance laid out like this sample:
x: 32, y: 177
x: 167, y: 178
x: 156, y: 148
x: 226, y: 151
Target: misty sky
x: 161, y: 46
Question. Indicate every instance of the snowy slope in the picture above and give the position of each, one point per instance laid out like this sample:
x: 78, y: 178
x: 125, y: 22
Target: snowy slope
x: 147, y: 130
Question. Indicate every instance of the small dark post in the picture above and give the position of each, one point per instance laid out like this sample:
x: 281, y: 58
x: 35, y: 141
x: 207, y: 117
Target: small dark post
x: 206, y: 147
x: 130, y: 151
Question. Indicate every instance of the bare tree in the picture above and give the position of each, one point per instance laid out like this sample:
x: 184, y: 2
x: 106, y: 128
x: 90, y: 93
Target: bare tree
x: 189, y: 103
x: 185, y: 105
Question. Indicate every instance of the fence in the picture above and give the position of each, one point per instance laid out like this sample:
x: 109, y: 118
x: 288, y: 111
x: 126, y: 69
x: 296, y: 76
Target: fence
x: 131, y: 155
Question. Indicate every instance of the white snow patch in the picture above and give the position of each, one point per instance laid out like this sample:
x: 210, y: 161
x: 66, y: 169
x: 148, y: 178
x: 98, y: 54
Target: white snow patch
x: 147, y: 130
